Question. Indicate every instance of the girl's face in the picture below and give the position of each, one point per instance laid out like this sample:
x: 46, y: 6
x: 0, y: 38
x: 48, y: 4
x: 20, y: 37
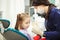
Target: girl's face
x: 26, y: 23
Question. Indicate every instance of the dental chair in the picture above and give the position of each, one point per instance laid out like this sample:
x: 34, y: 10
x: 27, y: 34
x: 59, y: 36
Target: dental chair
x: 13, y: 34
x: 3, y: 25
x: 10, y: 33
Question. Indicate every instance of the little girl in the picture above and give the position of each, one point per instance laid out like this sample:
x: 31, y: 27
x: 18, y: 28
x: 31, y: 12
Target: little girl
x: 22, y: 23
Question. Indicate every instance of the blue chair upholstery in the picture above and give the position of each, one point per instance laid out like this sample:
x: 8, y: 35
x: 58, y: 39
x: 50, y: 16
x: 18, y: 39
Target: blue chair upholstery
x: 14, y: 32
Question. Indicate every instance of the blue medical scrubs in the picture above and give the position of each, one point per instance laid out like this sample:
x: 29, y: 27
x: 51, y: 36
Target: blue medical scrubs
x: 53, y: 25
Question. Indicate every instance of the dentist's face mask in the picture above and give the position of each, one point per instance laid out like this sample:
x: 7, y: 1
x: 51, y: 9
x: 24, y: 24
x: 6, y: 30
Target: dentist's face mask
x: 41, y: 12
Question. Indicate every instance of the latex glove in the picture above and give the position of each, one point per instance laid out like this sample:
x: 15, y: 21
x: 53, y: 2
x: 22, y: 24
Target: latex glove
x: 36, y: 29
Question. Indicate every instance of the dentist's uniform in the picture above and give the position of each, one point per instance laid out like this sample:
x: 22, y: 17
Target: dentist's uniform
x: 53, y: 25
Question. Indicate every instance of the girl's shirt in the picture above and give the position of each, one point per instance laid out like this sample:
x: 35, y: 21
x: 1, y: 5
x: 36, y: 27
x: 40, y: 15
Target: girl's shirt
x: 25, y: 32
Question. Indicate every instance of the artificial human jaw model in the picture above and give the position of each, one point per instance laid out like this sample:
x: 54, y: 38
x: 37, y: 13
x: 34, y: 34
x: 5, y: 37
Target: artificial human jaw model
x: 38, y: 23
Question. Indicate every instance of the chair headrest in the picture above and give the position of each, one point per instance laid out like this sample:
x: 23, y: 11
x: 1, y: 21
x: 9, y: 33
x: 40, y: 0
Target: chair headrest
x: 5, y: 23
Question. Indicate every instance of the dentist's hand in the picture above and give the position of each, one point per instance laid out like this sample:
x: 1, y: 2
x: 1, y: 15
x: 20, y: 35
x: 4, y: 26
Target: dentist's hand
x: 36, y: 29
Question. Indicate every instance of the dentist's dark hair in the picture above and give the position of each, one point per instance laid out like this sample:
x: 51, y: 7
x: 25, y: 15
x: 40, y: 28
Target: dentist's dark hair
x: 45, y: 3
x: 41, y: 2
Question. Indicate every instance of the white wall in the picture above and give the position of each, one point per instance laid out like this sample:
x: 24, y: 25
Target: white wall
x: 57, y: 3
x: 11, y: 8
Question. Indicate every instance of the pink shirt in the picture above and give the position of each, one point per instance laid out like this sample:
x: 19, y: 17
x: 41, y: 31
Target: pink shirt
x: 25, y: 32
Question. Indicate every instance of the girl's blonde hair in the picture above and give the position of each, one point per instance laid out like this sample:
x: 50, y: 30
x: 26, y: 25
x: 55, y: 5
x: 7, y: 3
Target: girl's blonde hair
x: 20, y: 18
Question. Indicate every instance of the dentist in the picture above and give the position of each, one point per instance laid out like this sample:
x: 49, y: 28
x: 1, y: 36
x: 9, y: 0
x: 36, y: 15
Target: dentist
x: 52, y: 19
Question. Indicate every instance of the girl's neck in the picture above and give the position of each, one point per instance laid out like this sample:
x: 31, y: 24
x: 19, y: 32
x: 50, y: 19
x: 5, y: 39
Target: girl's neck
x: 21, y: 29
